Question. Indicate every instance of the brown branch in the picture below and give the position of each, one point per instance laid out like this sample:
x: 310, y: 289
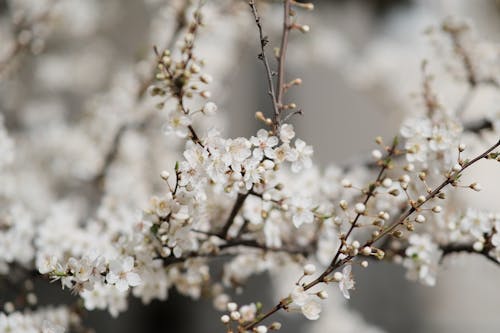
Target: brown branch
x: 238, y: 204
x: 462, y: 53
x: 371, y: 193
x: 447, y: 249
x: 449, y: 180
x: 276, y: 100
x: 478, y: 126
x: 339, y: 263
x: 236, y: 243
x: 262, y: 56
x: 280, y: 87
x: 468, y: 248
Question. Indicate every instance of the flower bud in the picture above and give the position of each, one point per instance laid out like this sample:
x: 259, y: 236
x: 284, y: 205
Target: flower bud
x: 309, y: 269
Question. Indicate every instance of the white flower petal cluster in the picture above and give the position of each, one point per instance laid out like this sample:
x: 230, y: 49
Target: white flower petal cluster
x: 239, y: 164
x: 422, y: 259
x: 308, y: 303
x: 17, y: 232
x: 45, y: 320
x: 122, y: 275
x: 429, y: 142
x: 346, y: 283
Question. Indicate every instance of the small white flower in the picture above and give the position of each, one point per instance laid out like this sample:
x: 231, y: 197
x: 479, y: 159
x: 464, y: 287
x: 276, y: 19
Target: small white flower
x: 237, y: 151
x: 346, y: 282
x: 284, y: 153
x: 311, y: 309
x: 475, y: 223
x: 307, y: 303
x: 209, y: 108
x: 299, y: 296
x: 263, y: 144
x: 422, y: 259
x: 46, y: 263
x: 301, y: 211
x: 302, y: 158
x: 248, y: 312
x: 253, y: 173
x: 121, y: 274
x: 286, y: 133
x: 177, y: 123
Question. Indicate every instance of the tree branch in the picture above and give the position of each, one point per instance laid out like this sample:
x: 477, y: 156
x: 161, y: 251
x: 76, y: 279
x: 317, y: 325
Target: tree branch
x: 339, y: 263
x: 262, y: 56
x: 240, y: 200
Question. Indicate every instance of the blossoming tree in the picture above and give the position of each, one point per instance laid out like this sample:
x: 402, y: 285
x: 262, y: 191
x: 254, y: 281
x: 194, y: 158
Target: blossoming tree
x: 258, y: 203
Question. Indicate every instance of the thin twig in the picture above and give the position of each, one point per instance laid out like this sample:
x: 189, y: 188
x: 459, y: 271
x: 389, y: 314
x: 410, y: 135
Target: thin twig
x: 262, y: 56
x: 280, y: 87
x: 240, y: 200
x: 369, y: 195
x: 233, y: 244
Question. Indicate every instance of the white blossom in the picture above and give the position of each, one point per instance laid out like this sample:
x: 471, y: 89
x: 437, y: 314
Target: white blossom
x: 264, y: 144
x: 178, y: 124
x: 422, y: 258
x: 121, y: 274
x: 301, y: 157
x: 347, y: 282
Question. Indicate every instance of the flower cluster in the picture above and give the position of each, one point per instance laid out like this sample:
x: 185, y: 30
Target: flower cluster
x: 429, y: 141
x: 104, y: 225
x: 422, y: 259
x: 44, y: 320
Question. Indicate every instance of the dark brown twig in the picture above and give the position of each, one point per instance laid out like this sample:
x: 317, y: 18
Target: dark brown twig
x: 468, y: 248
x: 280, y: 85
x: 240, y: 200
x: 262, y: 56
x: 276, y: 99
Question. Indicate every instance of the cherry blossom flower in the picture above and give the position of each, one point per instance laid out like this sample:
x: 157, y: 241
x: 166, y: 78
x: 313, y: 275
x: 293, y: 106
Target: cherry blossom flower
x: 301, y: 156
x: 347, y: 281
x: 263, y: 144
x: 178, y: 124
x: 422, y: 259
x: 301, y: 211
x: 308, y: 304
x: 121, y: 274
x: 286, y: 133
x: 311, y: 309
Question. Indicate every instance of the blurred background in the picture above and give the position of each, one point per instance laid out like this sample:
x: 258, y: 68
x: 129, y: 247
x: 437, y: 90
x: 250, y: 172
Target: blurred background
x: 74, y: 75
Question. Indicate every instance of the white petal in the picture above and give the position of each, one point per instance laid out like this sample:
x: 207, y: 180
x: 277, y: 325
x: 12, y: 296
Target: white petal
x: 311, y: 310
x: 128, y: 264
x: 121, y: 285
x: 133, y: 279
